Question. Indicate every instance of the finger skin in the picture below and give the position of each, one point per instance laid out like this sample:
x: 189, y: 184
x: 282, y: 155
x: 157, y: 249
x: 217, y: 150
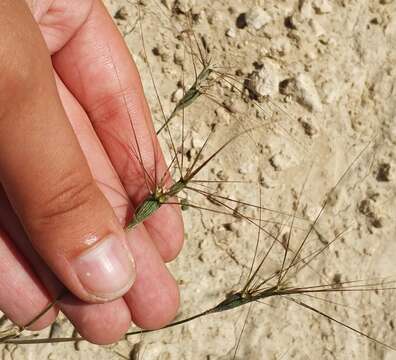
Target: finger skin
x: 45, y: 174
x: 22, y: 296
x: 92, y: 322
x: 163, y: 312
x: 23, y: 270
x: 154, y: 297
x: 101, y: 324
x: 117, y: 109
x: 58, y: 20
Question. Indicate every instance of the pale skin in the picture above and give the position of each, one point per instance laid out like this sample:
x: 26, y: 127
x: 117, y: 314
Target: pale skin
x: 55, y: 220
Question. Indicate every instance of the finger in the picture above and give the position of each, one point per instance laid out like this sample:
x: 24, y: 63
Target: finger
x: 22, y: 296
x: 117, y: 108
x: 92, y: 322
x: 101, y: 324
x: 49, y: 13
x: 45, y: 175
x: 154, y: 298
x: 14, y: 229
x: 101, y: 167
x: 26, y: 266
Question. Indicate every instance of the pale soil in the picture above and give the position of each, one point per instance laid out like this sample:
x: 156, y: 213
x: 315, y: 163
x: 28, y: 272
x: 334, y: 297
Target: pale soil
x: 347, y: 50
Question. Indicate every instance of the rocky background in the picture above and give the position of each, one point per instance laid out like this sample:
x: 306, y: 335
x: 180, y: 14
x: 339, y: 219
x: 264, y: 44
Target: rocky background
x: 323, y: 73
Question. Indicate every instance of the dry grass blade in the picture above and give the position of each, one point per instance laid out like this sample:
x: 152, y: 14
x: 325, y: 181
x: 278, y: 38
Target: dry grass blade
x: 262, y: 286
x: 160, y: 190
x: 345, y: 104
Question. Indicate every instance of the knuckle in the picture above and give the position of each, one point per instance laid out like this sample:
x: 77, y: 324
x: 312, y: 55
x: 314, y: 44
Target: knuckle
x: 75, y: 193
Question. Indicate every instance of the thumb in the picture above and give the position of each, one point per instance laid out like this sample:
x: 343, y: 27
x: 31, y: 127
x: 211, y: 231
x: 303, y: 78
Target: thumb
x: 45, y: 174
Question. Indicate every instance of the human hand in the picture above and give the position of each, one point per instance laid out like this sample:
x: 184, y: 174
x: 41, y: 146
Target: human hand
x: 56, y: 138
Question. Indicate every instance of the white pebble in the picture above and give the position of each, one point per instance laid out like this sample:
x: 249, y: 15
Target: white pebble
x: 257, y: 18
x: 331, y: 91
x: 283, y: 160
x: 322, y: 6
x: 316, y: 28
x: 177, y: 95
x: 307, y: 92
x: 231, y: 32
x: 306, y: 10
x: 265, y: 82
x: 312, y: 212
x: 392, y: 132
x: 223, y: 114
x: 281, y: 45
x: 179, y: 57
x: 197, y: 141
x: 309, y: 126
x: 166, y: 4
x: 246, y: 168
x: 184, y: 6
x: 267, y: 181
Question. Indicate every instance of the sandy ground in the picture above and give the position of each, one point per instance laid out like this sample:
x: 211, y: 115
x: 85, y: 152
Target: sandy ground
x: 326, y: 73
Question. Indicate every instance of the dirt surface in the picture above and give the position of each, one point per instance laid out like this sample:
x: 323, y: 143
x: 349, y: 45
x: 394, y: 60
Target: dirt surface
x: 323, y: 73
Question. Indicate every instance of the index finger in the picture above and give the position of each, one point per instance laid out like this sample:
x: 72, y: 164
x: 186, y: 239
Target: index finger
x: 45, y: 174
x: 106, y: 82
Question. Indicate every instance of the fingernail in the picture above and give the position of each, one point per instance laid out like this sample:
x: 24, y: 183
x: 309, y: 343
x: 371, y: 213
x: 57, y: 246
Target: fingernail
x: 106, y: 270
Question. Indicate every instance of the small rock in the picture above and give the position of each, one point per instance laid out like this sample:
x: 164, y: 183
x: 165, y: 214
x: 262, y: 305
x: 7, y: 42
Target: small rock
x: 281, y: 45
x: 231, y: 32
x: 178, y: 57
x: 306, y: 10
x: 331, y: 91
x: 121, y: 14
x: 184, y: 6
x: 267, y: 181
x: 287, y: 87
x: 246, y: 168
x: 384, y: 172
x: 392, y: 132
x: 222, y: 114
x: 367, y: 207
x: 177, y: 95
x: 162, y: 52
x: 197, y: 13
x: 230, y: 227
x: 322, y: 6
x: 316, y: 28
x: 257, y: 18
x: 240, y: 21
x: 197, y: 141
x: 222, y: 175
x: 264, y: 82
x: 312, y: 212
x: 233, y: 106
x: 307, y: 93
x: 290, y: 23
x: 166, y: 4
x: 337, y: 279
x: 242, y: 71
x: 281, y: 155
x: 156, y: 51
x: 282, y: 161
x: 309, y: 126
